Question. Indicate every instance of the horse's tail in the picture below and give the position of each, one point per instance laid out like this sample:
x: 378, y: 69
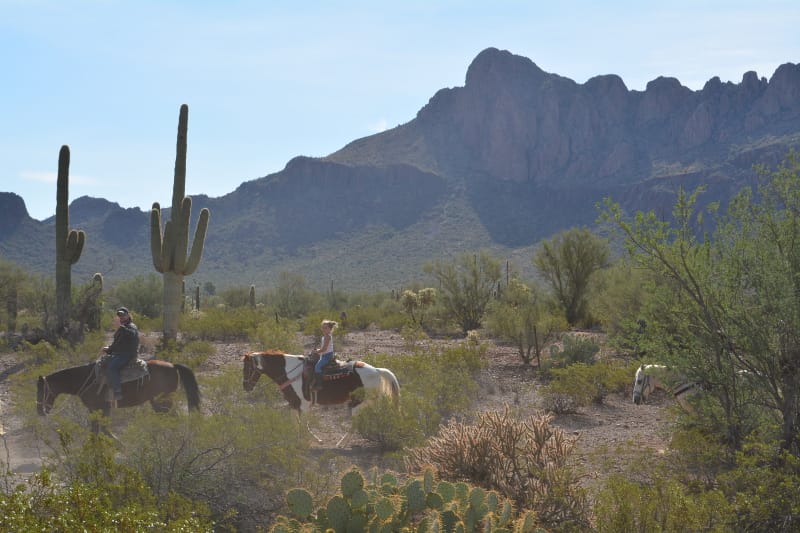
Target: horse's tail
x: 390, y: 385
x: 189, y: 385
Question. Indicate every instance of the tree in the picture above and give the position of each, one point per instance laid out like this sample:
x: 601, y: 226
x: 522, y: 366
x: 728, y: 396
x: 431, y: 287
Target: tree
x: 726, y: 310
x: 466, y: 285
x: 522, y: 316
x: 292, y: 297
x: 567, y: 262
x: 140, y: 294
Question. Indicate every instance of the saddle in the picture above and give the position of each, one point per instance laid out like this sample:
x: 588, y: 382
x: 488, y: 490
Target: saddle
x: 334, y: 370
x: 136, y: 369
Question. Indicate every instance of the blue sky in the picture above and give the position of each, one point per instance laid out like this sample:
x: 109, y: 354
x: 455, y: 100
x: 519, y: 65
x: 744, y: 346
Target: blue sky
x: 266, y: 81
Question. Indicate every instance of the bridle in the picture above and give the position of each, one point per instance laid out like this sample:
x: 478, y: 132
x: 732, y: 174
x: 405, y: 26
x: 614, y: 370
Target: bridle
x: 47, y: 392
x: 255, y: 372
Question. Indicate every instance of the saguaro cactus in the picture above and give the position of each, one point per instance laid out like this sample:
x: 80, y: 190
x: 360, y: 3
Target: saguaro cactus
x: 69, y: 244
x: 170, y: 249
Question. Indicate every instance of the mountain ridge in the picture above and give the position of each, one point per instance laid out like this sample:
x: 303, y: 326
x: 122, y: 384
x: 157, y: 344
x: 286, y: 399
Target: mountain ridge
x: 508, y: 159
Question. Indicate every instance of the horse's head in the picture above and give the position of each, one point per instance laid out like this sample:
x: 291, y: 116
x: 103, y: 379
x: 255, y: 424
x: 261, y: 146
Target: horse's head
x: 250, y: 372
x: 44, y: 396
x: 639, y: 385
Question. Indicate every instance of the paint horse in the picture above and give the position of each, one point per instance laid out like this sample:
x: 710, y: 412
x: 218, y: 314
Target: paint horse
x: 345, y: 383
x: 162, y: 379
x: 651, y: 377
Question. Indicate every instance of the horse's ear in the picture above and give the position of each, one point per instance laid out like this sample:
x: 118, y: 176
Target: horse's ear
x: 242, y: 358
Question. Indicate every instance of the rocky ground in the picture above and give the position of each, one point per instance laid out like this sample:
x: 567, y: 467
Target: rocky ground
x: 608, y: 436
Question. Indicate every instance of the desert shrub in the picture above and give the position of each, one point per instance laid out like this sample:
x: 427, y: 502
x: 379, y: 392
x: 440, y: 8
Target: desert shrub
x: 434, y: 385
x: 524, y: 460
x: 233, y: 297
x: 222, y: 323
x: 239, y: 461
x: 764, y: 488
x: 381, y: 422
x: 575, y: 350
x: 580, y: 385
x: 143, y: 295
x: 97, y: 494
x: 276, y: 334
x: 665, y: 505
x: 191, y: 353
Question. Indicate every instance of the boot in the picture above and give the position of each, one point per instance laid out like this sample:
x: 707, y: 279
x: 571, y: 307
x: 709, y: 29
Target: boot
x: 316, y: 382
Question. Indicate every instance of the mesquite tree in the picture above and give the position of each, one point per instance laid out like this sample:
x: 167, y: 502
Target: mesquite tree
x: 170, y: 248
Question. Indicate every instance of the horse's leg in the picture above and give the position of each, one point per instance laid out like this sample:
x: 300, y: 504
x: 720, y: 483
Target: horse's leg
x: 308, y: 427
x: 161, y: 405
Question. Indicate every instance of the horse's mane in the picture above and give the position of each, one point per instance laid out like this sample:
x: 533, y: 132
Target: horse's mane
x: 269, y: 352
x: 72, y: 369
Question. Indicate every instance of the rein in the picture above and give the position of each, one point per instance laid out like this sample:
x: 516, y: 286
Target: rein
x: 257, y: 370
x: 47, y: 391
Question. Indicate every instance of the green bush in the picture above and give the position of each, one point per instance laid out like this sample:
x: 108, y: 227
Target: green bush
x: 580, y: 385
x: 435, y: 385
x: 191, y: 353
x: 238, y: 461
x: 623, y: 506
x: 223, y: 323
x: 764, y: 487
x: 381, y: 422
x: 272, y: 334
x: 97, y: 494
x: 575, y: 350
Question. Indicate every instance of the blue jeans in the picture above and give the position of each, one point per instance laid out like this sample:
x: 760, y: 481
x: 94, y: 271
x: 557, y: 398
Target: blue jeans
x: 324, y: 359
x: 114, y: 368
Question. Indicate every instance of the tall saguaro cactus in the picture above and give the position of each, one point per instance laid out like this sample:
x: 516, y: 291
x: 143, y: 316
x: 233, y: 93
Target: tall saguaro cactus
x: 69, y: 244
x: 170, y: 248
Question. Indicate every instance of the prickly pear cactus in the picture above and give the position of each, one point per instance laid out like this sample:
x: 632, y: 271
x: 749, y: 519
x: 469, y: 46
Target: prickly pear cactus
x: 300, y: 503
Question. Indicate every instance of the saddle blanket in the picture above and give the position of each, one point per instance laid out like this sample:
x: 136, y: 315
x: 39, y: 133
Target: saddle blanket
x: 135, y: 369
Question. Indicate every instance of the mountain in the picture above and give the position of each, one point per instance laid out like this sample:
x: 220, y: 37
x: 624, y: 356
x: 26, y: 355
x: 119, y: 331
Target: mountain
x: 512, y: 157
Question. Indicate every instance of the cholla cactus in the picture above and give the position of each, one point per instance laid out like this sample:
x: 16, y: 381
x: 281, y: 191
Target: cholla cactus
x: 170, y: 249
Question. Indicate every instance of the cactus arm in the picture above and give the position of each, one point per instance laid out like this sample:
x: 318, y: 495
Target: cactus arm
x: 155, y: 238
x: 182, y: 235
x: 198, y: 243
x: 75, y: 241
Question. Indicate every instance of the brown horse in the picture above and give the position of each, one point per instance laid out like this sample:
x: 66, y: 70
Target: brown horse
x: 163, y: 378
x: 292, y: 374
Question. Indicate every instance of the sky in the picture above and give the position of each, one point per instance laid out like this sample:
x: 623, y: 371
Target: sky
x: 269, y: 80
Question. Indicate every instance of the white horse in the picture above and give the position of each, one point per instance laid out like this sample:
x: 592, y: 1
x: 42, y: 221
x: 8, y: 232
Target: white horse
x: 651, y: 377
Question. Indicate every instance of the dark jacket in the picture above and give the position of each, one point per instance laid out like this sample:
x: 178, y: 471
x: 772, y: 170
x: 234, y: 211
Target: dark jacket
x: 126, y: 341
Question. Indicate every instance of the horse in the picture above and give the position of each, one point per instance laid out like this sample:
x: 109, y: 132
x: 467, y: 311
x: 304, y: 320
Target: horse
x: 162, y: 379
x: 651, y: 377
x: 292, y: 374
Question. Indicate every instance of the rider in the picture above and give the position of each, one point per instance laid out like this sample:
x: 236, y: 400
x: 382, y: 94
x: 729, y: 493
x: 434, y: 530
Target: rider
x: 124, y: 347
x: 326, y: 351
